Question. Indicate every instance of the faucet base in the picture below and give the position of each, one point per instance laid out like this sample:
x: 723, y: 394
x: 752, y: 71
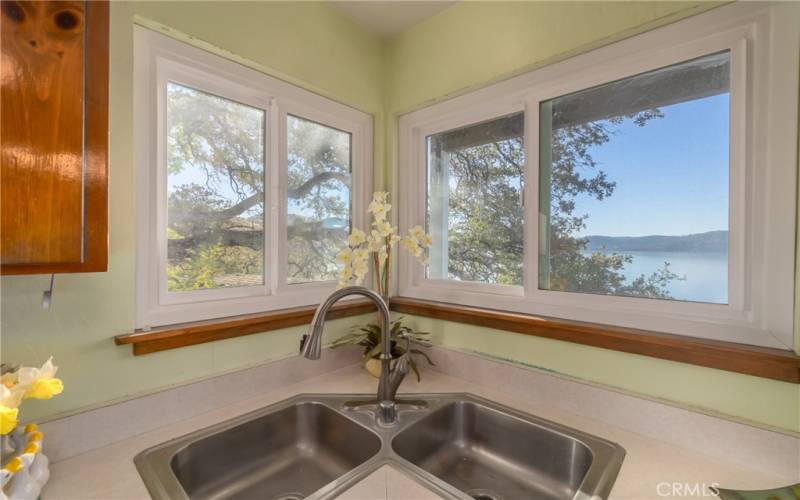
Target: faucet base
x: 385, y: 411
x: 410, y: 404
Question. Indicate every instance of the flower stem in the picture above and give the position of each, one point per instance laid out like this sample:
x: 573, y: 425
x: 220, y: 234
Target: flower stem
x: 386, y: 272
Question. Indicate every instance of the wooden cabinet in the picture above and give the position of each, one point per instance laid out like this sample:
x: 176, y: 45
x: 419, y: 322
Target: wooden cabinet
x: 54, y: 137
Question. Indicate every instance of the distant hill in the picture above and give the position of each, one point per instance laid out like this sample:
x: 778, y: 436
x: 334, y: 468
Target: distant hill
x: 712, y: 241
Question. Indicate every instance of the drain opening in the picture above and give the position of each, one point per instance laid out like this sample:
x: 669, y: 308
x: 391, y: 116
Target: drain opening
x: 482, y: 495
x: 290, y: 496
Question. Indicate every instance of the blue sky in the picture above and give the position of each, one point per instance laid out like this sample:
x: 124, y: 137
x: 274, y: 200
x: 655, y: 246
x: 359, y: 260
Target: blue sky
x: 671, y: 174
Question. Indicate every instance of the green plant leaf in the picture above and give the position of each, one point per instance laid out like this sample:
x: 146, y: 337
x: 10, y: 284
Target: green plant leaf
x: 413, y: 366
x: 372, y: 353
x: 424, y: 355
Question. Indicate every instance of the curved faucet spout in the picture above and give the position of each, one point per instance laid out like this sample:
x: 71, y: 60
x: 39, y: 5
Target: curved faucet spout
x: 311, y: 344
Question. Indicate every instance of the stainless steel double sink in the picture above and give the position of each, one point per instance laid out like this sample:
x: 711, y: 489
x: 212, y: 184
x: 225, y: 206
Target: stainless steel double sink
x: 459, y: 446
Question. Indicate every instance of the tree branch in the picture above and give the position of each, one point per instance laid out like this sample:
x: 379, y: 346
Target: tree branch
x: 306, y: 187
x: 182, y: 216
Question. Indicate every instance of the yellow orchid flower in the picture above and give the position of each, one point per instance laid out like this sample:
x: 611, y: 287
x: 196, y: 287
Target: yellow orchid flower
x: 8, y: 419
x: 45, y: 388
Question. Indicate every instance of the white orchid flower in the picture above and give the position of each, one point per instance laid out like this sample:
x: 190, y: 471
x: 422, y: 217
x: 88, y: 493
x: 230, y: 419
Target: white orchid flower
x: 410, y: 244
x: 360, y: 255
x: 354, y: 259
x: 356, y: 238
x: 384, y: 228
x: 360, y: 269
x: 374, y: 241
x: 344, y: 257
x: 417, y: 233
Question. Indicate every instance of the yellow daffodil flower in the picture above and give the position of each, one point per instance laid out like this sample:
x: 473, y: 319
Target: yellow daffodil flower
x: 45, y: 388
x: 8, y: 419
x: 40, y: 383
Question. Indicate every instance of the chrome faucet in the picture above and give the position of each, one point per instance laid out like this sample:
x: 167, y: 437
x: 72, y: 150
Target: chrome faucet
x: 391, y: 378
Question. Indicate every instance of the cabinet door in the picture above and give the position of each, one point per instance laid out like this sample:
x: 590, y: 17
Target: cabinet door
x: 54, y: 135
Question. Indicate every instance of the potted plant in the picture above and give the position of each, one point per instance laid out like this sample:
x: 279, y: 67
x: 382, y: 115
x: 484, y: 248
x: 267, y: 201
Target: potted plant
x: 376, y: 249
x: 369, y: 337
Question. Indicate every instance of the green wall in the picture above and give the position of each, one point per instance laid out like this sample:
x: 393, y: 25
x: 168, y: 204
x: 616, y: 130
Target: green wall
x: 473, y: 44
x: 312, y: 42
x: 463, y: 47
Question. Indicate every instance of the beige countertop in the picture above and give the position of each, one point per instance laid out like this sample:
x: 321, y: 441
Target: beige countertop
x: 652, y: 469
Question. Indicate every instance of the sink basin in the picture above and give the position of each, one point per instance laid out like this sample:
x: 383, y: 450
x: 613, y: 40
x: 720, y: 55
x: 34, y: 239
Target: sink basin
x: 283, y: 455
x: 316, y: 446
x: 491, y: 455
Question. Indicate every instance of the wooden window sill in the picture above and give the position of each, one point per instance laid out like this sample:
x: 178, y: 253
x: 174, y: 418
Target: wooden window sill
x: 186, y: 334
x: 763, y: 362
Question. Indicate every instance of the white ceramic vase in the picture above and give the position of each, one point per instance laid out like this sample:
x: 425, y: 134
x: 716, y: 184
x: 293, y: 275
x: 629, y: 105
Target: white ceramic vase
x: 25, y: 469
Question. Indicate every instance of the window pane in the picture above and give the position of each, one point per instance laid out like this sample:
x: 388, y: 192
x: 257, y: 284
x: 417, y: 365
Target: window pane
x: 215, y: 188
x: 634, y: 185
x: 319, y: 199
x: 474, y: 213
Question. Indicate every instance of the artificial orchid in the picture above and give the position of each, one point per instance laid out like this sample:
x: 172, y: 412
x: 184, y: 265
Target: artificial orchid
x: 377, y: 245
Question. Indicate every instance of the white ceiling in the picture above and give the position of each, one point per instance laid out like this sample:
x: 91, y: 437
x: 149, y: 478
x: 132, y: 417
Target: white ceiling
x: 390, y: 17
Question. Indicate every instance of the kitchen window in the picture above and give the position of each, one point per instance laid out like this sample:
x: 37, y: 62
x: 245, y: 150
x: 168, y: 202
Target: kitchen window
x: 318, y: 192
x: 634, y: 183
x: 647, y: 184
x: 246, y: 186
x: 474, y: 209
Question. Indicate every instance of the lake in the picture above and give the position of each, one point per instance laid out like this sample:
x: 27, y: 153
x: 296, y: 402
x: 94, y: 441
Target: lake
x: 706, y: 273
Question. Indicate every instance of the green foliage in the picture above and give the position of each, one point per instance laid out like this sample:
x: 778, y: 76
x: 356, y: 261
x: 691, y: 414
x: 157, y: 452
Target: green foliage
x: 319, y: 191
x: 486, y: 219
x: 369, y: 337
x: 214, y: 266
x: 215, y: 219
x: 485, y: 213
x: 215, y: 157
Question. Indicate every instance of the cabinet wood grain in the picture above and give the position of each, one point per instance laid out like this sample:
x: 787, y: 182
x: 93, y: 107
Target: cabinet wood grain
x: 54, y: 132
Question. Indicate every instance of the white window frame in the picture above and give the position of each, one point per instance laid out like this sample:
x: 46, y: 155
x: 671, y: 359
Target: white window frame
x: 159, y: 59
x: 764, y: 47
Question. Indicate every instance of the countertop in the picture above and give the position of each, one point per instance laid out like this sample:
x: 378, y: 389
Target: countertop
x: 652, y: 469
